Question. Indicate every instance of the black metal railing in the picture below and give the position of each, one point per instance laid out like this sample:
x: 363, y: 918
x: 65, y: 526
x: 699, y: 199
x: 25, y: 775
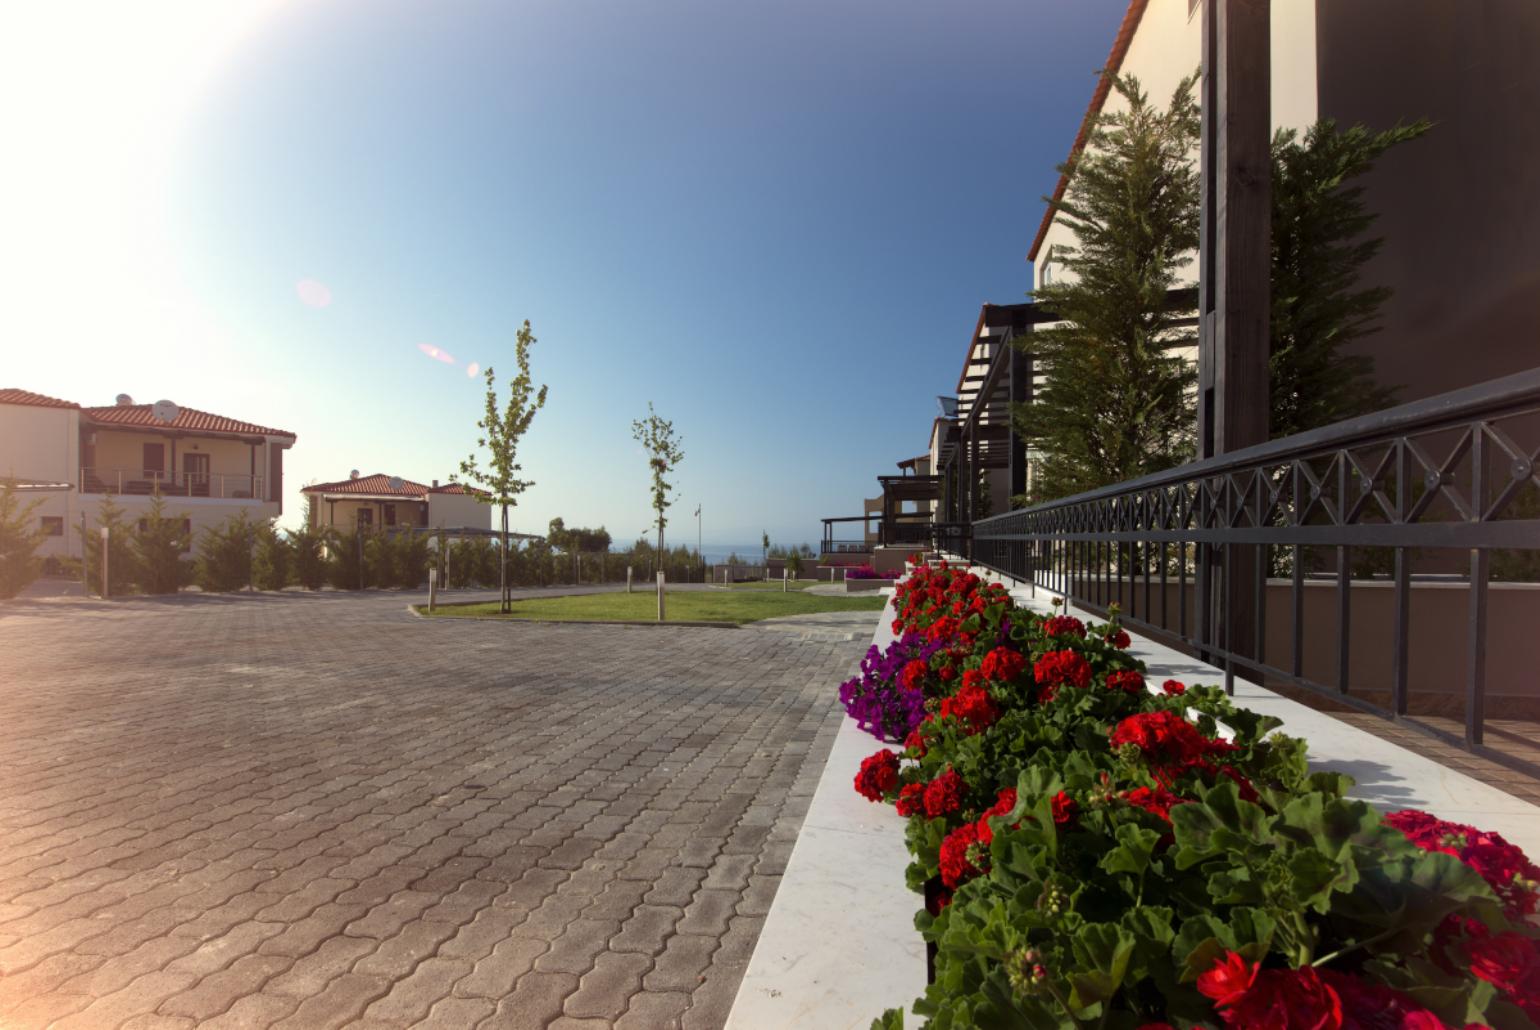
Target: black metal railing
x: 1433, y: 493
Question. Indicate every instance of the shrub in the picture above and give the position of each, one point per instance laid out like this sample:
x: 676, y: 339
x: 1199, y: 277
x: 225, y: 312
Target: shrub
x: 19, y: 541
x: 122, y: 555
x: 308, y: 548
x: 345, y: 564
x: 273, y: 564
x: 869, y: 572
x: 224, y: 555
x: 159, y: 543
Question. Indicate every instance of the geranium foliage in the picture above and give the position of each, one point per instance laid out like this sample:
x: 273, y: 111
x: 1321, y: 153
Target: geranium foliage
x: 1096, y: 851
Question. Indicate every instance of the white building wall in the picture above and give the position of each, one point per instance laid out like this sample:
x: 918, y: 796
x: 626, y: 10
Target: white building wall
x: 1167, y: 46
x: 458, y: 510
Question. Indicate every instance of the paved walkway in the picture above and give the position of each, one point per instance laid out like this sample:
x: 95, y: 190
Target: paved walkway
x: 314, y: 811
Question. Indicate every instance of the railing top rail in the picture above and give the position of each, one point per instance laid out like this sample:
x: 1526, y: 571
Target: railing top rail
x: 1493, y: 398
x: 875, y: 517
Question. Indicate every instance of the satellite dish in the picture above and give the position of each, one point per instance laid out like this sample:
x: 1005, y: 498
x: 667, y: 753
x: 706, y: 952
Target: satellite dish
x: 395, y: 482
x: 165, y: 411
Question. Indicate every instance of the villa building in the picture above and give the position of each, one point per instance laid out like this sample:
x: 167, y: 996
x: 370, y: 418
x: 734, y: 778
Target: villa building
x: 390, y: 502
x: 70, y: 458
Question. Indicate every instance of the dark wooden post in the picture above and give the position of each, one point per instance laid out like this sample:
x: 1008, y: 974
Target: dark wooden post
x: 1020, y: 391
x: 1234, y: 281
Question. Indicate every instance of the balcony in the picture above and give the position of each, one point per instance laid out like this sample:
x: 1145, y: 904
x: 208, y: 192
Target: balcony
x: 143, y: 482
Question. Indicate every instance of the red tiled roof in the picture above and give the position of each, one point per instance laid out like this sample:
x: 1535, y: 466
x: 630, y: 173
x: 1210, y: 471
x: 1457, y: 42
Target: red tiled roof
x: 35, y: 400
x: 453, y: 488
x: 187, y: 419
x: 1120, y: 46
x: 375, y: 485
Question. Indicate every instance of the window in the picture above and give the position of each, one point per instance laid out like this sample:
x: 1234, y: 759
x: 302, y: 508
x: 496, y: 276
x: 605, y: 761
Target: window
x: 53, y: 525
x: 1047, y: 276
x: 365, y: 517
x: 390, y: 514
x: 154, y: 458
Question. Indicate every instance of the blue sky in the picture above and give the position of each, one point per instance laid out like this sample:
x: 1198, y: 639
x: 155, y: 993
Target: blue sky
x: 776, y: 221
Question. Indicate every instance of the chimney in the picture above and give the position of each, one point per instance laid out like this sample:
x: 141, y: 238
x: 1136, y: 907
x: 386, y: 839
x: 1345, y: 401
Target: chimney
x: 435, y: 484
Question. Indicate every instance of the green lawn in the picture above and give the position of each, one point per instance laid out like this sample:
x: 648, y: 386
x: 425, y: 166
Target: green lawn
x: 775, y: 584
x: 737, y: 606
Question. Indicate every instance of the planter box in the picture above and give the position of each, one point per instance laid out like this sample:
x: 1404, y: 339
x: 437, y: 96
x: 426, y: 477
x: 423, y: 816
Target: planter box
x: 861, y: 586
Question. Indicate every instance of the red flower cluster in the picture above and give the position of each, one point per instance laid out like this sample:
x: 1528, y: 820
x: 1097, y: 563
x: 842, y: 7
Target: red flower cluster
x: 1511, y: 963
x: 1168, y: 741
x: 1060, y: 667
x: 1282, y: 999
x: 1156, y: 799
x: 913, y: 675
x: 1126, y: 680
x: 956, y: 864
x: 1003, y: 665
x: 972, y: 707
x: 915, y: 743
x: 1064, y: 626
x: 1004, y: 802
x: 944, y: 794
x: 1308, y: 999
x: 1174, y: 687
x: 878, y: 776
x: 1119, y: 640
x: 911, y: 799
x: 1511, y: 876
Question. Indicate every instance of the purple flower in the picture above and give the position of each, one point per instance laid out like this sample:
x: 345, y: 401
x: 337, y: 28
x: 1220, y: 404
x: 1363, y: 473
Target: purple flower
x: 876, y: 700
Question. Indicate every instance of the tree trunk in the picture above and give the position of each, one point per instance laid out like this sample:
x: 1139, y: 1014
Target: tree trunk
x: 502, y: 568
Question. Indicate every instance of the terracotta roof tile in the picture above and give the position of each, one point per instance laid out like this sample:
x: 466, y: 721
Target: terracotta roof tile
x: 375, y: 485
x: 187, y: 419
x: 35, y: 400
x: 1120, y: 46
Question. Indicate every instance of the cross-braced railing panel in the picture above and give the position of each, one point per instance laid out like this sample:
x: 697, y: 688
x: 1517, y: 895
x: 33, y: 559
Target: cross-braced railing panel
x: 1427, y: 494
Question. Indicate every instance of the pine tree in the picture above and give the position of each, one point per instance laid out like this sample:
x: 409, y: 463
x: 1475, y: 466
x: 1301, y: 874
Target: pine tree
x: 19, y: 540
x: 1319, y: 249
x: 159, y: 544
x: 1116, y: 402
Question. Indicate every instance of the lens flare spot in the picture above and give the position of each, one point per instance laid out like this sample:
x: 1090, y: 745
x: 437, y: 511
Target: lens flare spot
x: 313, y: 293
x: 472, y: 370
x: 436, y: 353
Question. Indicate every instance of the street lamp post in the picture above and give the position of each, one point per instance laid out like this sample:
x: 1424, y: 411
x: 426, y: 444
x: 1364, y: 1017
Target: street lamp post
x: 700, y: 555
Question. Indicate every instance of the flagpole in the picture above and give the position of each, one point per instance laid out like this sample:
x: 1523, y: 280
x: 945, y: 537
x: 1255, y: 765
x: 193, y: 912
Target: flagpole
x: 700, y: 555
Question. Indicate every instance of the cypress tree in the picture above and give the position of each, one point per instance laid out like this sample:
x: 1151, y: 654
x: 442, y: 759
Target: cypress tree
x: 1116, y: 401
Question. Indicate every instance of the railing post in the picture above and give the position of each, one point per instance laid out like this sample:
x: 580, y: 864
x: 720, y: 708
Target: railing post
x: 432, y: 589
x: 628, y: 579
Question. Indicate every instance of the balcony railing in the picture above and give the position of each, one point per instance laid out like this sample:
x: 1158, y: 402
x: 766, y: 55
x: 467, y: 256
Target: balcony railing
x: 1444, y: 485
x: 232, y: 486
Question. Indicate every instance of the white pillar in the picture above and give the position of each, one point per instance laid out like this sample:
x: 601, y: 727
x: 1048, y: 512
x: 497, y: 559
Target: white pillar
x: 628, y: 579
x: 105, y: 580
x: 660, y: 596
x: 785, y: 579
x: 432, y: 589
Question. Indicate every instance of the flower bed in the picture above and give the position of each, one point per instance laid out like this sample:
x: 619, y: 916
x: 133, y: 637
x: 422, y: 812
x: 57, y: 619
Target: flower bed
x: 869, y: 572
x: 1096, y: 853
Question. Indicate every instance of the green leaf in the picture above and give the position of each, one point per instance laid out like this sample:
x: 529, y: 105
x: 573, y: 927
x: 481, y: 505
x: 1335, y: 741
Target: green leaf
x: 1102, y: 951
x: 1132, y: 855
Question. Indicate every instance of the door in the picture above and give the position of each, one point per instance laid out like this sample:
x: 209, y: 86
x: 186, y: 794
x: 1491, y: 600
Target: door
x: 152, y: 468
x: 195, y: 472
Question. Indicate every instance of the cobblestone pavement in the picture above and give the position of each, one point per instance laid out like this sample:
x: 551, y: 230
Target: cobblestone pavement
x: 316, y: 811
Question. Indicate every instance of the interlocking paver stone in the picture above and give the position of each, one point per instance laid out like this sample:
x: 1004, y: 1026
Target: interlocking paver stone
x: 330, y: 810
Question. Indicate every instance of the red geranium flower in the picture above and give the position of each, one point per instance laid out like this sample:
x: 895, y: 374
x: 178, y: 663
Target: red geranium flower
x: 913, y: 676
x: 911, y: 799
x: 878, y: 775
x: 1059, y: 667
x: 1003, y: 664
x: 1063, y: 626
x: 1510, y: 962
x: 1126, y: 680
x: 1503, y: 866
x: 972, y: 706
x: 1167, y: 740
x: 957, y: 852
x: 1119, y: 640
x: 1064, y: 808
x: 943, y: 795
x: 1174, y: 687
x: 915, y: 742
x: 1158, y: 800
x: 1228, y: 980
x: 1371, y: 1006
